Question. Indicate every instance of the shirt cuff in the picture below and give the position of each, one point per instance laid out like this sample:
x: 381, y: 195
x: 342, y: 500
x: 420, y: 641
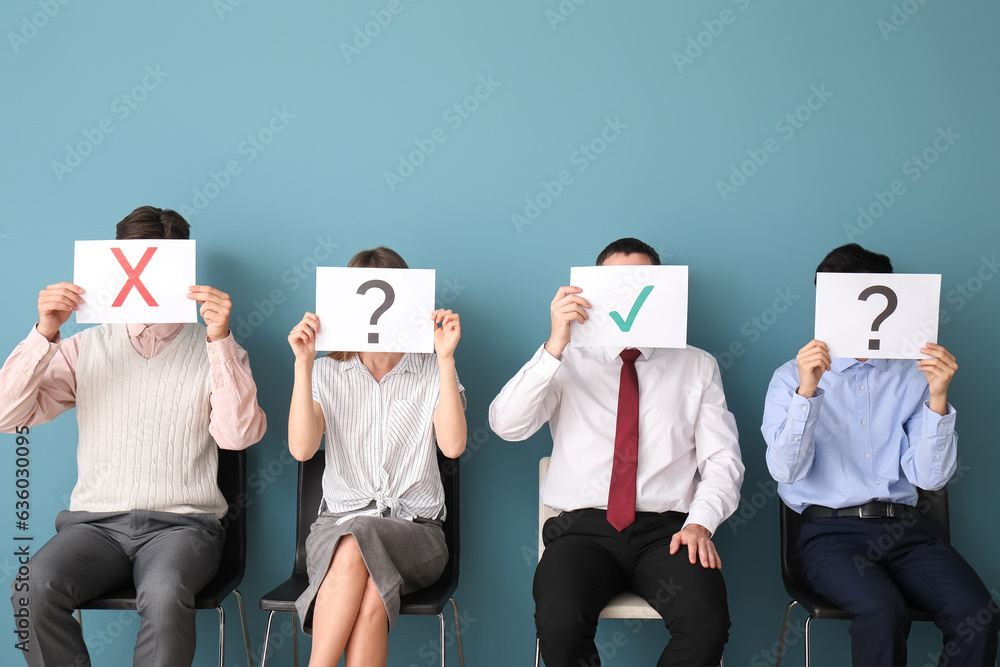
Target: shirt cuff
x: 938, y: 426
x: 544, y: 364
x: 704, y: 516
x: 36, y: 340
x: 223, y: 350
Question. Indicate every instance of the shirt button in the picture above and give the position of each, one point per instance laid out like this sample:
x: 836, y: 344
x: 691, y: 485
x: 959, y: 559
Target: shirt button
x: 804, y: 408
x: 218, y: 384
x: 796, y: 438
x: 145, y: 356
x: 878, y: 482
x: 862, y: 387
x: 867, y: 455
x: 938, y: 456
x: 211, y: 351
x: 43, y: 349
x: 864, y: 421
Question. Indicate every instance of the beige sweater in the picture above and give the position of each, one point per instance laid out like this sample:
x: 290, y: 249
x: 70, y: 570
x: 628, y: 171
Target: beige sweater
x: 144, y: 440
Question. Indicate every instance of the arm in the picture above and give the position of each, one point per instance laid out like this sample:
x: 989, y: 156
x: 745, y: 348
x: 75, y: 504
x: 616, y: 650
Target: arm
x: 305, y: 416
x: 720, y: 469
x: 530, y: 398
x: 791, y: 411
x: 931, y: 455
x: 236, y: 421
x: 38, y: 380
x: 450, y: 428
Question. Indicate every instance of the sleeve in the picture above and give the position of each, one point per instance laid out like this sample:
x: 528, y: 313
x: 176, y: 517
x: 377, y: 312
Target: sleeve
x: 931, y: 454
x: 528, y: 400
x: 788, y: 426
x: 720, y: 465
x: 38, y: 381
x: 236, y: 421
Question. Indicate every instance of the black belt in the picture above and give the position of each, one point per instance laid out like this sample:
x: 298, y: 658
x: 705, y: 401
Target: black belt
x: 873, y: 510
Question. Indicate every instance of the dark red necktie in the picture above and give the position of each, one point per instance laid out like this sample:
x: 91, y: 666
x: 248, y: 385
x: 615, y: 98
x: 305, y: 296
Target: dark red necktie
x: 621, y: 496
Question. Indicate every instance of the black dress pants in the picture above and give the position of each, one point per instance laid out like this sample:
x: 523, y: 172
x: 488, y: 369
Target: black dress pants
x: 587, y: 562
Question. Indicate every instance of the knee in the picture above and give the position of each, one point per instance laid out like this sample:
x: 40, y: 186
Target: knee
x: 164, y: 592
x: 347, y: 559
x: 888, y: 614
x: 560, y: 614
x: 47, y: 591
x: 703, y: 619
x: 971, y: 615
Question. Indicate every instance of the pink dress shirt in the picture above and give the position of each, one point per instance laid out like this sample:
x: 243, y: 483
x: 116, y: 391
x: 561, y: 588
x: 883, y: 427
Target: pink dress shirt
x: 38, y: 382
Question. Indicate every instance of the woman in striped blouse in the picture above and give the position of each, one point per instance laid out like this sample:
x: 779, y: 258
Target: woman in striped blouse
x: 378, y: 534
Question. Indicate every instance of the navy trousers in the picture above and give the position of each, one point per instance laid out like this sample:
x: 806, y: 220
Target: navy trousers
x: 877, y: 568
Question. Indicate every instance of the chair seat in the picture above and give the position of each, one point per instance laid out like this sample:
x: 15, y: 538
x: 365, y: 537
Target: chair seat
x: 210, y: 597
x: 284, y: 596
x: 628, y: 605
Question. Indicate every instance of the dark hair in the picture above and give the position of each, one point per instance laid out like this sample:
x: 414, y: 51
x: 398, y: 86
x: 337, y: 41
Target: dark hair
x: 627, y: 246
x: 852, y: 258
x: 376, y: 258
x: 149, y: 222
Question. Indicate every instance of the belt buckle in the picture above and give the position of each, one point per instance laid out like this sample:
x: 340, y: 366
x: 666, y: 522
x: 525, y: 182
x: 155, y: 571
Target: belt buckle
x: 887, y: 511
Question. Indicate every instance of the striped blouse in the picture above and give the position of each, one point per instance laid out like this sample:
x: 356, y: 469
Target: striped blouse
x: 380, y: 445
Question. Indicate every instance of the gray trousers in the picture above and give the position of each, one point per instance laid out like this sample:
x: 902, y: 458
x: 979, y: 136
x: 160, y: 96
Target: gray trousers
x: 168, y: 557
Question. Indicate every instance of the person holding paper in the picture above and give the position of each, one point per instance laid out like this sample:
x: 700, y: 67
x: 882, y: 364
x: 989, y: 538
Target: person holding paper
x: 645, y: 466
x: 153, y: 403
x: 849, y: 441
x: 378, y: 534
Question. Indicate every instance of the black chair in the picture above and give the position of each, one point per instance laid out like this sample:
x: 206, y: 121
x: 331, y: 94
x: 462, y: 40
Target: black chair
x: 233, y: 484
x: 931, y: 504
x: 429, y: 601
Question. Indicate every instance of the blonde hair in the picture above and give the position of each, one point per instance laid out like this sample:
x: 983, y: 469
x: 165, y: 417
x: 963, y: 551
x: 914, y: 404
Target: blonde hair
x: 376, y: 258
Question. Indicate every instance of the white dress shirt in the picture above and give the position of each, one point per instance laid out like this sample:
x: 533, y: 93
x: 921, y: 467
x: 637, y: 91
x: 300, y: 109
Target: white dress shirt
x: 689, y: 454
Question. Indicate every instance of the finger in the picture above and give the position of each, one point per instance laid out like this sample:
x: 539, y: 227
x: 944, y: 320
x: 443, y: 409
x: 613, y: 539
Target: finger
x: 565, y: 290
x: 49, y: 294
x: 59, y: 303
x: 675, y: 543
x: 67, y: 286
x: 706, y: 558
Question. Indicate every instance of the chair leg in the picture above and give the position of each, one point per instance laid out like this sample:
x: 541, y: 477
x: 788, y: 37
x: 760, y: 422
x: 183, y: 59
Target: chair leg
x: 243, y: 623
x: 458, y: 634
x: 538, y: 656
x: 443, y: 651
x: 295, y: 636
x: 808, y: 641
x: 222, y: 636
x: 784, y: 633
x: 267, y: 640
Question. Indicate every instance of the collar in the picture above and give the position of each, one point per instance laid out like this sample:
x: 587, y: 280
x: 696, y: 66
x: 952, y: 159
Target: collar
x: 613, y: 352
x: 157, y: 330
x: 408, y: 364
x: 841, y: 364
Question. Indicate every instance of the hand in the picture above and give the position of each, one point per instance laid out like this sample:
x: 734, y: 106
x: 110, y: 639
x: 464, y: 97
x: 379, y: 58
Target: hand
x: 446, y: 336
x: 813, y: 360
x: 699, y: 544
x: 566, y: 308
x: 939, y: 369
x: 302, y: 339
x: 215, y: 309
x: 55, y: 304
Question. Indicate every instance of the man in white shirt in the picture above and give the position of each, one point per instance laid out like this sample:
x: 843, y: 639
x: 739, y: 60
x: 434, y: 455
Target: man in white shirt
x: 685, y: 481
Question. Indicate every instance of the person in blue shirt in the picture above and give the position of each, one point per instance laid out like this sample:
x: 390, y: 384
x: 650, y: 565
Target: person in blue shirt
x: 849, y: 442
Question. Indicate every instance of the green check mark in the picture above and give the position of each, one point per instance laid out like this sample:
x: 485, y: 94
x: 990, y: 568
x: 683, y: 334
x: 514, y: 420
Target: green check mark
x: 625, y: 325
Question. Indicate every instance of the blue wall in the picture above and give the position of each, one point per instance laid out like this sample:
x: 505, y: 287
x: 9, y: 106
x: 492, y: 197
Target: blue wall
x: 308, y: 115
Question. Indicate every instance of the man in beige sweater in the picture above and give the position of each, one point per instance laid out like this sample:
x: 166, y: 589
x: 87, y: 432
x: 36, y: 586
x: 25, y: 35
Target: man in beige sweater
x: 154, y: 404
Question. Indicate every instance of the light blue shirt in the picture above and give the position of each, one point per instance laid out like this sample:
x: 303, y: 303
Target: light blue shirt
x: 867, y: 434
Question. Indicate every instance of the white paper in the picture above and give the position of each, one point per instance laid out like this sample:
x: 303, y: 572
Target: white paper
x: 119, y: 291
x: 848, y: 324
x: 346, y: 316
x: 632, y: 306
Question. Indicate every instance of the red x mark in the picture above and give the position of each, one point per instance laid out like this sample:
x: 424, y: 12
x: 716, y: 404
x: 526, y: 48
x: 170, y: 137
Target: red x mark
x: 133, y: 277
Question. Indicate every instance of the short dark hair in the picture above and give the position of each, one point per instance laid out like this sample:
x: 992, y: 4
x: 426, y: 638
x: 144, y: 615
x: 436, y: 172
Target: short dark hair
x: 378, y: 258
x: 852, y: 258
x: 628, y: 246
x: 149, y: 222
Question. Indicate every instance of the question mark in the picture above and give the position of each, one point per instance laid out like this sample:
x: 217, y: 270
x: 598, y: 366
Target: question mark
x: 890, y: 307
x: 390, y: 297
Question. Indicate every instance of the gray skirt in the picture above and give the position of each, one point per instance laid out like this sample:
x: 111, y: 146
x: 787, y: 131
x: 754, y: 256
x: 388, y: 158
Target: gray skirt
x: 401, y: 556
